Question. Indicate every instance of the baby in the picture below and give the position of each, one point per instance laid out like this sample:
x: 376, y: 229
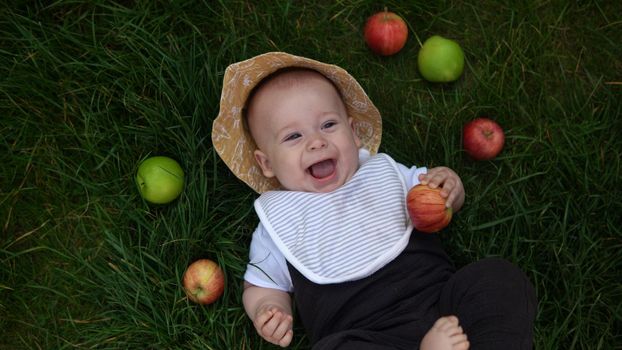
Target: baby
x: 334, y: 230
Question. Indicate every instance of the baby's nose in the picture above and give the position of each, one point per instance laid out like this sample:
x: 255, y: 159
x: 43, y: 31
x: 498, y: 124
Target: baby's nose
x: 317, y: 142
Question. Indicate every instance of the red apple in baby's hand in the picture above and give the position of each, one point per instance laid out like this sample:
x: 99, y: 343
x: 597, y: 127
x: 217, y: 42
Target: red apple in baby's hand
x: 483, y: 138
x: 385, y: 33
x: 427, y: 209
x: 204, y: 281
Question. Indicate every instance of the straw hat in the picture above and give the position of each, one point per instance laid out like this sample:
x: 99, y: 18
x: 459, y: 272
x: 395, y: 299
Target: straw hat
x: 234, y: 143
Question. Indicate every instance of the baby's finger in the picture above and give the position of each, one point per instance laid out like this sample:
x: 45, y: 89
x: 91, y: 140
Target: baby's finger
x: 284, y: 326
x: 427, y: 178
x: 423, y: 179
x: 448, y: 187
x: 279, y: 318
x: 287, y: 339
x: 449, y: 202
x: 450, y: 191
x: 262, y: 319
x: 269, y: 327
x: 436, y: 180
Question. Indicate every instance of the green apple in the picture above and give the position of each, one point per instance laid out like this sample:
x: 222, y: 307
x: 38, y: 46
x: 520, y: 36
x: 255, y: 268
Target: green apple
x: 159, y: 179
x: 440, y: 60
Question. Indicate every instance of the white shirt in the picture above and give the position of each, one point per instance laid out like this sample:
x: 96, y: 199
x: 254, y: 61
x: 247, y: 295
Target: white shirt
x: 268, y: 267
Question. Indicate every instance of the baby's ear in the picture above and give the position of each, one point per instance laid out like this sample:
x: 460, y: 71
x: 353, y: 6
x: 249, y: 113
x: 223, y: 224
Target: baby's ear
x: 357, y: 141
x: 264, y: 163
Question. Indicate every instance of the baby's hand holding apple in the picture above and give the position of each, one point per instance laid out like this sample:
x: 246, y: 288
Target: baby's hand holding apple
x: 450, y: 184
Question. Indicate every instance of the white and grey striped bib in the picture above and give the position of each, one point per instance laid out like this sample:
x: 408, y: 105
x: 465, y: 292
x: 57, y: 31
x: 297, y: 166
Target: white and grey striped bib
x: 346, y: 234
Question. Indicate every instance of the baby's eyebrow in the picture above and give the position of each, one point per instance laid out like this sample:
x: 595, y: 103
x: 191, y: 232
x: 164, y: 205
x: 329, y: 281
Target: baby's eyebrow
x: 285, y: 130
x: 325, y: 113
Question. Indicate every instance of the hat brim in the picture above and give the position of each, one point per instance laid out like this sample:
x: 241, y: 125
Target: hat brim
x: 234, y: 144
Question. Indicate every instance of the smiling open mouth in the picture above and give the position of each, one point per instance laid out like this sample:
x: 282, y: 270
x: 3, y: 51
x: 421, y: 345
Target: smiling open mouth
x: 322, y: 169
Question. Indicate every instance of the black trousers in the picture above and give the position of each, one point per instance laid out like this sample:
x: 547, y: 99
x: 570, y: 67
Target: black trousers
x: 397, y: 305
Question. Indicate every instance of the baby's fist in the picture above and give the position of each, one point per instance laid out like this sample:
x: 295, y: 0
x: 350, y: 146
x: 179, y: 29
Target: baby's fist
x: 275, y: 326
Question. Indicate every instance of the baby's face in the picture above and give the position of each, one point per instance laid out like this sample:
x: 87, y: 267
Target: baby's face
x: 304, y: 135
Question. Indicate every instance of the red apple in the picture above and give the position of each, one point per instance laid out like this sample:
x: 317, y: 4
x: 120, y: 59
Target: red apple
x: 483, y: 138
x: 427, y: 209
x: 204, y: 281
x: 385, y: 33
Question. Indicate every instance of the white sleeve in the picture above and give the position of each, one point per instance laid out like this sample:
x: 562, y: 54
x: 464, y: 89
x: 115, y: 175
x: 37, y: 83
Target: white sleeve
x: 411, y: 175
x: 267, y: 266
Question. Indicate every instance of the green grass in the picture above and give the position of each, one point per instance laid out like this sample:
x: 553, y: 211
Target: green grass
x: 88, y: 88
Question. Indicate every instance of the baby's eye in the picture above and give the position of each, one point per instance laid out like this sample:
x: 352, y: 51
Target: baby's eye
x: 292, y: 137
x: 329, y: 124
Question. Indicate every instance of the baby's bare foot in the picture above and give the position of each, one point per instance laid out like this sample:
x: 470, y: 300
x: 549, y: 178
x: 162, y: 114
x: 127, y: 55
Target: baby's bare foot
x: 445, y: 334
